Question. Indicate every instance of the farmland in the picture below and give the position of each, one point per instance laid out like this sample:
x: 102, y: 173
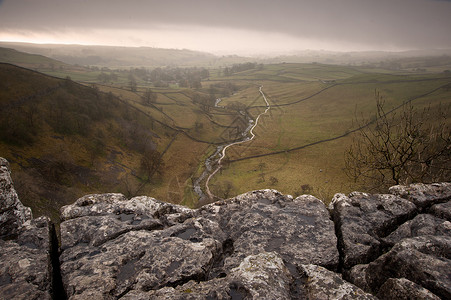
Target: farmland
x: 298, y: 148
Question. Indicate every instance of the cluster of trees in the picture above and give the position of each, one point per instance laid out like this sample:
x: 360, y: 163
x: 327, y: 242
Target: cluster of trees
x: 73, y: 109
x: 241, y: 67
x: 18, y: 125
x: 104, y: 77
x: 222, y: 89
x: 205, y: 101
x: 401, y: 147
x: 69, y: 109
x: 217, y: 90
x: 149, y: 97
x: 162, y: 77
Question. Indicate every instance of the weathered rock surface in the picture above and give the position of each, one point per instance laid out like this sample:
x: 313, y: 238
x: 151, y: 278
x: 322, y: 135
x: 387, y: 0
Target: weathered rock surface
x: 25, y: 263
x: 424, y: 195
x: 262, y: 276
x: 258, y: 245
x: 116, y: 245
x: 362, y: 220
x: 442, y: 210
x: 25, y: 269
x: 403, y: 289
x: 298, y: 229
x: 357, y: 275
x: 321, y: 283
x: 425, y: 260
x: 150, y: 245
x: 12, y: 213
x: 422, y: 224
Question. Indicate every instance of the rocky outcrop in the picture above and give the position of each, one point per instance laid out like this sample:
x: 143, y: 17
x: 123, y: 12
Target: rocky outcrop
x: 258, y: 245
x: 323, y: 284
x: 422, y: 224
x: 424, y: 195
x: 424, y: 260
x: 300, y: 229
x: 362, y: 220
x: 150, y: 245
x: 26, y: 270
x: 403, y: 289
x: 12, y: 213
x: 25, y: 263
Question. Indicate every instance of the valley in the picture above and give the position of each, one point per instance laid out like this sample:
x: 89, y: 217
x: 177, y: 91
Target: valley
x: 155, y: 130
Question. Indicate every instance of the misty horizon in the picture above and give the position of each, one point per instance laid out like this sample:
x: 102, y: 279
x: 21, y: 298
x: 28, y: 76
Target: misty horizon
x: 232, y: 27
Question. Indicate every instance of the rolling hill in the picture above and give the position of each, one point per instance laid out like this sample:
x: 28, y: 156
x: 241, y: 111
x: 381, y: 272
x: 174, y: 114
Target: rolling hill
x: 71, y: 139
x: 64, y: 139
x: 117, y: 57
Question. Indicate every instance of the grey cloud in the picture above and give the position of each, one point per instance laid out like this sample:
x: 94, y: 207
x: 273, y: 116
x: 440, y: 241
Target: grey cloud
x: 411, y: 23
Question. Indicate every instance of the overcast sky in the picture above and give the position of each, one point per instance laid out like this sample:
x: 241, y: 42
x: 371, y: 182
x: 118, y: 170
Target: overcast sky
x: 232, y: 26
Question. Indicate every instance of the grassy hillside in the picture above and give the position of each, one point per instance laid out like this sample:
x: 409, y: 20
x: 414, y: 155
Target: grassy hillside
x: 116, y: 57
x: 64, y: 139
x: 300, y: 143
x: 34, y: 61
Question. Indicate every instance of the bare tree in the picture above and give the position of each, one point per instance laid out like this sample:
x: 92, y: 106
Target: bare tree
x: 151, y: 163
x: 132, y: 83
x: 400, y: 146
x: 224, y: 189
x: 149, y: 97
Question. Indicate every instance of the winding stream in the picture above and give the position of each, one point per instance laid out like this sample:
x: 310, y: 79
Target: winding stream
x: 216, y: 158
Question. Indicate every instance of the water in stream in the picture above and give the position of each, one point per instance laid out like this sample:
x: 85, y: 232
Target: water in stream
x: 216, y: 158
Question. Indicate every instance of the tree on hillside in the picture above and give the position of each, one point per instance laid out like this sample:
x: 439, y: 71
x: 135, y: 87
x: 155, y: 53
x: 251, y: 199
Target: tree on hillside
x: 205, y: 102
x: 400, y: 147
x: 223, y: 189
x: 152, y: 163
x: 149, y: 97
x: 132, y: 83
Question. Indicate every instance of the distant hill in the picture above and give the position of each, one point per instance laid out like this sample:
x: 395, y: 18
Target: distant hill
x: 123, y: 57
x: 64, y: 139
x: 109, y: 56
x: 35, y: 61
x: 8, y: 55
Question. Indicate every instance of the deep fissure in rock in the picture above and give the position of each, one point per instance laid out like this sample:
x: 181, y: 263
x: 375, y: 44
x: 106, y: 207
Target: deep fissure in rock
x: 57, y: 291
x: 217, y: 267
x: 238, y: 292
x: 340, y: 246
x: 196, y: 277
x: 298, y: 281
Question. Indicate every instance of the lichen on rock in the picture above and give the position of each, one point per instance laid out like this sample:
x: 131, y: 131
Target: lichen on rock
x: 258, y: 245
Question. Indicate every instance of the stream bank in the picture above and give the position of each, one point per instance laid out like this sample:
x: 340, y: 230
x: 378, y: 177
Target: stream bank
x: 214, y: 162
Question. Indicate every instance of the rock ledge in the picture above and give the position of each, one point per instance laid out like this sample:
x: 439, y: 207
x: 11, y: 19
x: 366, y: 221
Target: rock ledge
x: 258, y: 245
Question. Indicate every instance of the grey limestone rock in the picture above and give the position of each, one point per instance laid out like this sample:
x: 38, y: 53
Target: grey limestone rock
x: 403, y: 289
x: 104, y: 204
x: 357, y: 276
x: 424, y: 195
x: 425, y: 260
x: 25, y: 270
x: 321, y: 283
x: 25, y: 264
x: 422, y: 224
x: 111, y: 246
x: 261, y: 276
x: 12, y: 212
x: 300, y: 229
x: 363, y: 219
x: 441, y: 210
x: 117, y: 247
x: 258, y: 245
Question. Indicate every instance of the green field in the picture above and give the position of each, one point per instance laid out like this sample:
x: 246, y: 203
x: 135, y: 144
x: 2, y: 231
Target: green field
x: 290, y: 154
x: 299, y: 145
